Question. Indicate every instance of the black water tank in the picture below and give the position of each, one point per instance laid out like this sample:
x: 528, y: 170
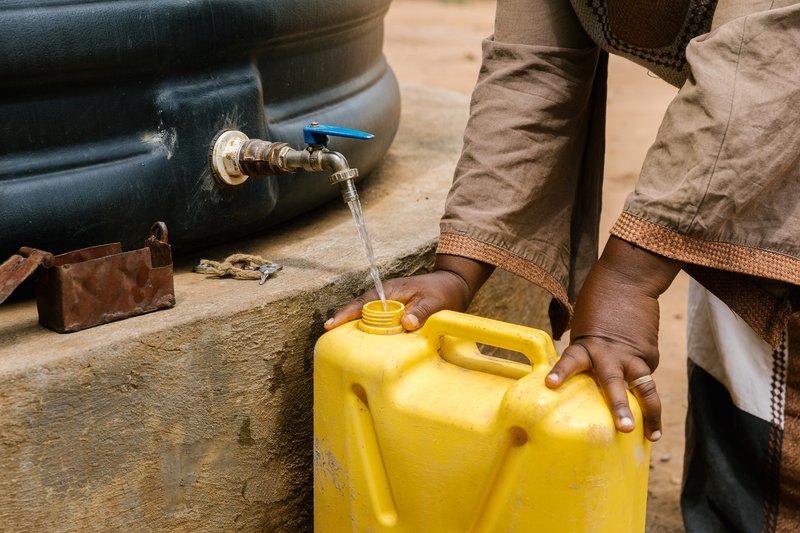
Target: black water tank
x: 108, y: 108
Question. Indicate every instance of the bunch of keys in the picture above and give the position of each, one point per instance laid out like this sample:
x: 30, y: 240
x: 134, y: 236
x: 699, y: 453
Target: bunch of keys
x: 266, y: 270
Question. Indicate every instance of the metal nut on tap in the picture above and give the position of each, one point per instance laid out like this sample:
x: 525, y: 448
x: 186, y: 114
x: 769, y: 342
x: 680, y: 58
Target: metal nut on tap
x: 343, y: 175
x: 224, y: 157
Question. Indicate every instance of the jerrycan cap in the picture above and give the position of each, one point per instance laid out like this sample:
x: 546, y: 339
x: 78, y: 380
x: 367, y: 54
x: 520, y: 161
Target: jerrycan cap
x: 379, y: 321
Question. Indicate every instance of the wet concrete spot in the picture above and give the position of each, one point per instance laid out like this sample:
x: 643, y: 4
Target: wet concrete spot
x: 315, y: 331
x: 245, y: 437
x: 278, y: 375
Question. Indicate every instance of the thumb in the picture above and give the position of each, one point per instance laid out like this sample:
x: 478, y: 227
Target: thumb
x: 416, y: 315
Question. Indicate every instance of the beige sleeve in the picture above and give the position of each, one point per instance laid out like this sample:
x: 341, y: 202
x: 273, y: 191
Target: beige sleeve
x: 719, y: 187
x: 526, y: 191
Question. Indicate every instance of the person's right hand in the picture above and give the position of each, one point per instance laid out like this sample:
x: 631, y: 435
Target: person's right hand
x: 614, y: 333
x: 451, y: 285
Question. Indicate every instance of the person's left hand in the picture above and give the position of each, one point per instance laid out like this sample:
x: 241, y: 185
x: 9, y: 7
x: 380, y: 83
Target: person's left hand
x: 615, y: 331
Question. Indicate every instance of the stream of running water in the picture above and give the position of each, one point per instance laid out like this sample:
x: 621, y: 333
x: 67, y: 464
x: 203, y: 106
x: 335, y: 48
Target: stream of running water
x: 366, y: 246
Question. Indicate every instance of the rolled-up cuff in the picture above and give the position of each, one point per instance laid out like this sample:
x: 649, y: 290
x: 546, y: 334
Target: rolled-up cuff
x: 711, y: 254
x: 727, y: 270
x: 460, y: 245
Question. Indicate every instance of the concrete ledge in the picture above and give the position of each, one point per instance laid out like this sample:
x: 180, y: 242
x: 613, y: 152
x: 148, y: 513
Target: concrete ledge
x: 200, y: 417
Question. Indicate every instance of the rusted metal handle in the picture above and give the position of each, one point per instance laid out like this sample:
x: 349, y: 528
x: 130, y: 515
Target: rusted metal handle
x: 160, y: 252
x: 18, y: 267
x: 158, y: 231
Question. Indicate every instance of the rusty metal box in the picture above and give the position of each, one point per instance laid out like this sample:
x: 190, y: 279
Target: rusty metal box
x: 96, y: 285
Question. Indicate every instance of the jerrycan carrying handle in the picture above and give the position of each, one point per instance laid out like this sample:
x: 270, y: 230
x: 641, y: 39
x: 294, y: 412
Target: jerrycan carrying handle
x: 532, y: 343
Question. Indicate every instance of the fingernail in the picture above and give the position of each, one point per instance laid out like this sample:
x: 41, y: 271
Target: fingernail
x: 329, y: 322
x: 412, y: 321
x: 656, y: 435
x: 626, y: 422
x: 552, y: 378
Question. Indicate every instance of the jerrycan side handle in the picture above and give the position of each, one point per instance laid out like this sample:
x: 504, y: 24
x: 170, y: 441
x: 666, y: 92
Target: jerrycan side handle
x: 534, y: 344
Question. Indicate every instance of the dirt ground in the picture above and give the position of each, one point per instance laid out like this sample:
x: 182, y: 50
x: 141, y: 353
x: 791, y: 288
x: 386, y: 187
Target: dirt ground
x: 437, y: 43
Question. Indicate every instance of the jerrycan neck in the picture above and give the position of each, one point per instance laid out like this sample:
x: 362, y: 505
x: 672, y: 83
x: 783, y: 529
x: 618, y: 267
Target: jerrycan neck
x: 379, y: 321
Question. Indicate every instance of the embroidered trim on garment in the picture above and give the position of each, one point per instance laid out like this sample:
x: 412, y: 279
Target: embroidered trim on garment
x: 789, y: 479
x: 453, y: 244
x: 775, y: 439
x: 764, y: 313
x: 713, y: 254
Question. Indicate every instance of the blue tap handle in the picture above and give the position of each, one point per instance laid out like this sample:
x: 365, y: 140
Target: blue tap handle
x: 318, y: 134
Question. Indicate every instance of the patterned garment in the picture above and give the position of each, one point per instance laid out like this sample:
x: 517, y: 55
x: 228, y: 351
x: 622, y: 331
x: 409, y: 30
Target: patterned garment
x: 742, y: 427
x: 653, y: 34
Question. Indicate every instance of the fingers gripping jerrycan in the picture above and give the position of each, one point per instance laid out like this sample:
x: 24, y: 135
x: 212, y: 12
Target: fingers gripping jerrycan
x: 419, y: 432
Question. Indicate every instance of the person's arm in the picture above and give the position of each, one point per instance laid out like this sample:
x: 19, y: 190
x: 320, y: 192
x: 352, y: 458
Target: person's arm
x: 718, y: 189
x: 615, y: 330
x: 716, y: 196
x: 526, y: 190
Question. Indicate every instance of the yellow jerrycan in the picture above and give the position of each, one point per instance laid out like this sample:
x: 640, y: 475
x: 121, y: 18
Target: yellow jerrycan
x: 421, y: 433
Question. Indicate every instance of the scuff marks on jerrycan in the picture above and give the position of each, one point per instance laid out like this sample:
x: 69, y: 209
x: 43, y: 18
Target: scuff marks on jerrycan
x: 421, y: 432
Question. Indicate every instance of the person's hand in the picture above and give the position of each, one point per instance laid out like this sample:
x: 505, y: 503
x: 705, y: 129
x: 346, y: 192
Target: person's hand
x: 615, y: 331
x: 451, y: 285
